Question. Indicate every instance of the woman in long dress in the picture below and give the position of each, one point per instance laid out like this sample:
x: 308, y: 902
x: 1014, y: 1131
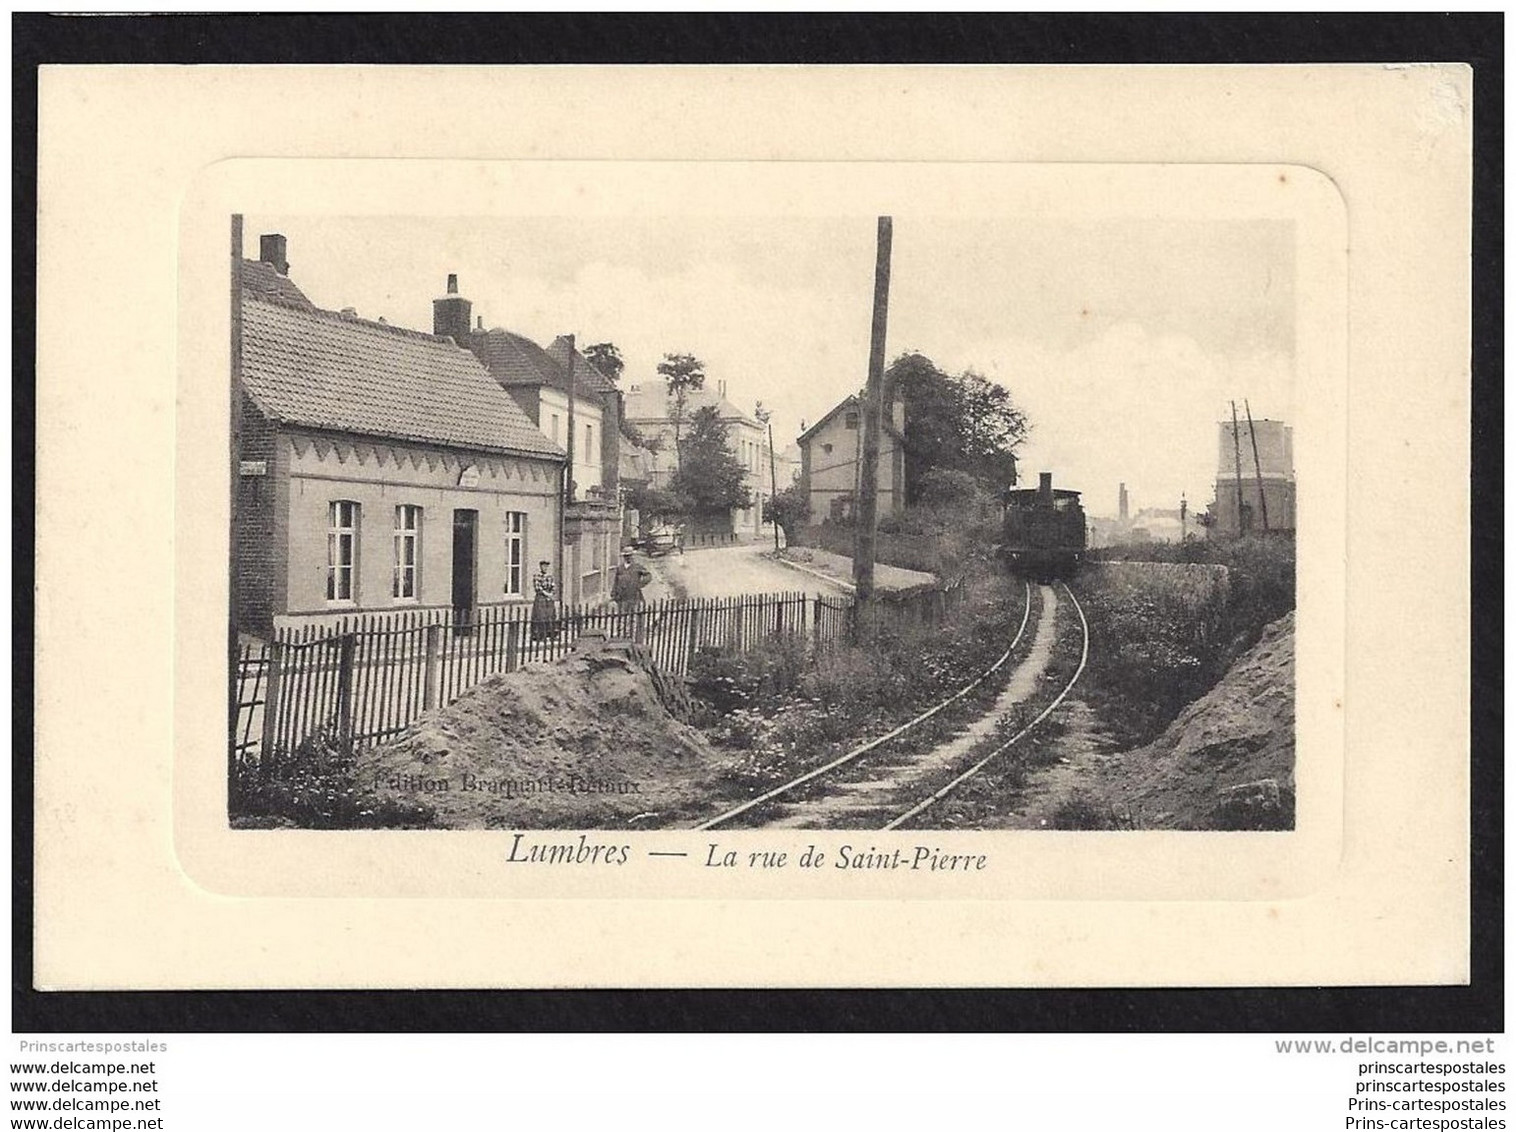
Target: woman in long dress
x: 544, y: 603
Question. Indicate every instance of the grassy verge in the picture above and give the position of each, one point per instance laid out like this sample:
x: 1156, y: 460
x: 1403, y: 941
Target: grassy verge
x: 1164, y: 627
x: 780, y: 714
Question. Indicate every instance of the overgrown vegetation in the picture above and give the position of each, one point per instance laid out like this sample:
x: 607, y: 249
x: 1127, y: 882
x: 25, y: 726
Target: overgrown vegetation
x: 788, y: 711
x: 951, y: 536
x: 790, y: 509
x: 316, y: 787
x: 958, y: 422
x: 709, y: 475
x: 1166, y: 621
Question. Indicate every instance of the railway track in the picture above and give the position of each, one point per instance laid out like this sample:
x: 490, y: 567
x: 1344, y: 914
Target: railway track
x: 874, y: 744
x: 804, y: 805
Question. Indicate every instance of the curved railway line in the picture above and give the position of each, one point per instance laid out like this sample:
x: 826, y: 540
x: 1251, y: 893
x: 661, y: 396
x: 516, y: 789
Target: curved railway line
x: 915, y: 807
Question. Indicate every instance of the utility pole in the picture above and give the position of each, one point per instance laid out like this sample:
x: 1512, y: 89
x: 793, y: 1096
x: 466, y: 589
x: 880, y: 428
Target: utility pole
x: 767, y: 417
x: 568, y: 471
x: 1237, y: 452
x: 1263, y: 502
x: 868, y: 481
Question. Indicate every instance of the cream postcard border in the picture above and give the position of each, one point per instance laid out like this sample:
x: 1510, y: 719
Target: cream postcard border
x: 116, y: 905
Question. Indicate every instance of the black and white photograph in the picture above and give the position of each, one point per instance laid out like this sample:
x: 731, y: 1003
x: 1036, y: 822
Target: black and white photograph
x: 716, y: 522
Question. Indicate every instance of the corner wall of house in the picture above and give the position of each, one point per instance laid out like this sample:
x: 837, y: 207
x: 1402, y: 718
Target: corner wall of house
x: 257, y: 545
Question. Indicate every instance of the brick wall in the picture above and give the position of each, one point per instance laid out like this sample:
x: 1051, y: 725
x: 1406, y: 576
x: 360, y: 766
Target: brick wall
x: 257, y: 549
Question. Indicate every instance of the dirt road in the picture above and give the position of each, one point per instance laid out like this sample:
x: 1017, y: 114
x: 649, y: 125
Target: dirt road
x: 727, y: 571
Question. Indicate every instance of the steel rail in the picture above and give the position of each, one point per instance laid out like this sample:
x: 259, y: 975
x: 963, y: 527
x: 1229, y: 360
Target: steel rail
x: 858, y: 752
x: 933, y: 799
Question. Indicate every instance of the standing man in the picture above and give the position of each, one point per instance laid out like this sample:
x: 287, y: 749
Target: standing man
x: 627, y: 582
x: 626, y: 590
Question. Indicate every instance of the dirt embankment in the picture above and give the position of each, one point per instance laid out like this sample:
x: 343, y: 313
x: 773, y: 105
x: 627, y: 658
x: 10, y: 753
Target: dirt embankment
x: 1228, y: 760
x: 587, y: 742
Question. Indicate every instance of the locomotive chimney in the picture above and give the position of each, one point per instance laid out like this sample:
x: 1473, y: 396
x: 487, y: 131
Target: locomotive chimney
x: 1045, y: 489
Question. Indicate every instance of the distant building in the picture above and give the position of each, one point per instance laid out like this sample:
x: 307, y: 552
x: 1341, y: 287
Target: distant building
x: 831, y: 461
x: 787, y: 466
x: 538, y: 380
x: 380, y: 469
x: 650, y: 409
x: 1263, y: 498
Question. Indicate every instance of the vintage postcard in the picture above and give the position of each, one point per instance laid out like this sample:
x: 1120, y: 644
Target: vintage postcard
x: 934, y: 543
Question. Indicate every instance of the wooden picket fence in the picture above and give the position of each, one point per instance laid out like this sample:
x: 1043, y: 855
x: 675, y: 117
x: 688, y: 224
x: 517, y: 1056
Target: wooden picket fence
x: 366, y: 678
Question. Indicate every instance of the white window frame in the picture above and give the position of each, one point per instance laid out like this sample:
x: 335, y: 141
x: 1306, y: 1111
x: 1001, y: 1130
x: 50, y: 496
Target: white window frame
x: 404, y: 535
x: 343, y: 517
x: 515, y: 554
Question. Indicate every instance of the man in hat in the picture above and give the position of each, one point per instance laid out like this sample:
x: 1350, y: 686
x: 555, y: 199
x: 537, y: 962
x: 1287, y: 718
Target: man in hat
x: 627, y: 582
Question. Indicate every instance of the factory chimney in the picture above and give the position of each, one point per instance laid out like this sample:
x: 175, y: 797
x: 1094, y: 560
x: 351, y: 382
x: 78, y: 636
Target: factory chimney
x: 1122, y: 504
x: 450, y: 314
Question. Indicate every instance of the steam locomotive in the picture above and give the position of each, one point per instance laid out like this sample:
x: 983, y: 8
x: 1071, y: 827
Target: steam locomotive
x: 1044, y: 534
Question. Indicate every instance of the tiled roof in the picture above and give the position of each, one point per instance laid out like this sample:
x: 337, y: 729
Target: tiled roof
x: 584, y: 370
x: 653, y: 403
x: 516, y: 360
x: 324, y: 370
x: 847, y: 402
x: 261, y: 281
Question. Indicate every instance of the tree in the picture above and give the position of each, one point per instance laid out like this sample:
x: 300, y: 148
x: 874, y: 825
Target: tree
x: 790, y: 509
x: 962, y: 423
x: 607, y: 359
x: 654, y: 502
x: 710, y: 475
x: 683, y: 372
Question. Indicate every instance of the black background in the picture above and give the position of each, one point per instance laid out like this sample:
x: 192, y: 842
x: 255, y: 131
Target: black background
x: 718, y: 38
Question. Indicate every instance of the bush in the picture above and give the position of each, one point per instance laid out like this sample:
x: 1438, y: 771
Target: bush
x: 1166, y: 620
x: 316, y: 788
x: 727, y: 680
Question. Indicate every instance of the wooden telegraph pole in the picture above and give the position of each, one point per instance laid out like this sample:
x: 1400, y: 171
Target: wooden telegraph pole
x: 868, y: 479
x: 773, y: 482
x: 1237, y: 452
x: 567, y: 496
x: 766, y: 418
x: 1263, y: 502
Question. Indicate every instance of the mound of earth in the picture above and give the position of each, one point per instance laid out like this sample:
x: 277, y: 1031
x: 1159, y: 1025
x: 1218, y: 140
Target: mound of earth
x: 583, y: 743
x: 1228, y: 760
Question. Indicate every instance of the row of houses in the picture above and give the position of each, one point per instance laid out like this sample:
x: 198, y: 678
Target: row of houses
x: 382, y: 468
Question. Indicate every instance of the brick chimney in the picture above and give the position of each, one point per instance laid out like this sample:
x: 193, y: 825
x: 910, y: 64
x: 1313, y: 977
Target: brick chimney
x: 272, y: 251
x: 450, y: 314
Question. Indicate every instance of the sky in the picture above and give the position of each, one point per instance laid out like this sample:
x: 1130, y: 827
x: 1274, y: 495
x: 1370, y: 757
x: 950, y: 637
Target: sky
x: 1123, y: 340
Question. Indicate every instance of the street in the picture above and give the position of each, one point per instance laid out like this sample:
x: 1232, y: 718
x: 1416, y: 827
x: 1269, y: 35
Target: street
x: 728, y: 571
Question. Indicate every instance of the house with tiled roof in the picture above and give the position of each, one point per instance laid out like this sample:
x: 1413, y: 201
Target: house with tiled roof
x: 574, y: 405
x: 650, y: 408
x: 380, y: 469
